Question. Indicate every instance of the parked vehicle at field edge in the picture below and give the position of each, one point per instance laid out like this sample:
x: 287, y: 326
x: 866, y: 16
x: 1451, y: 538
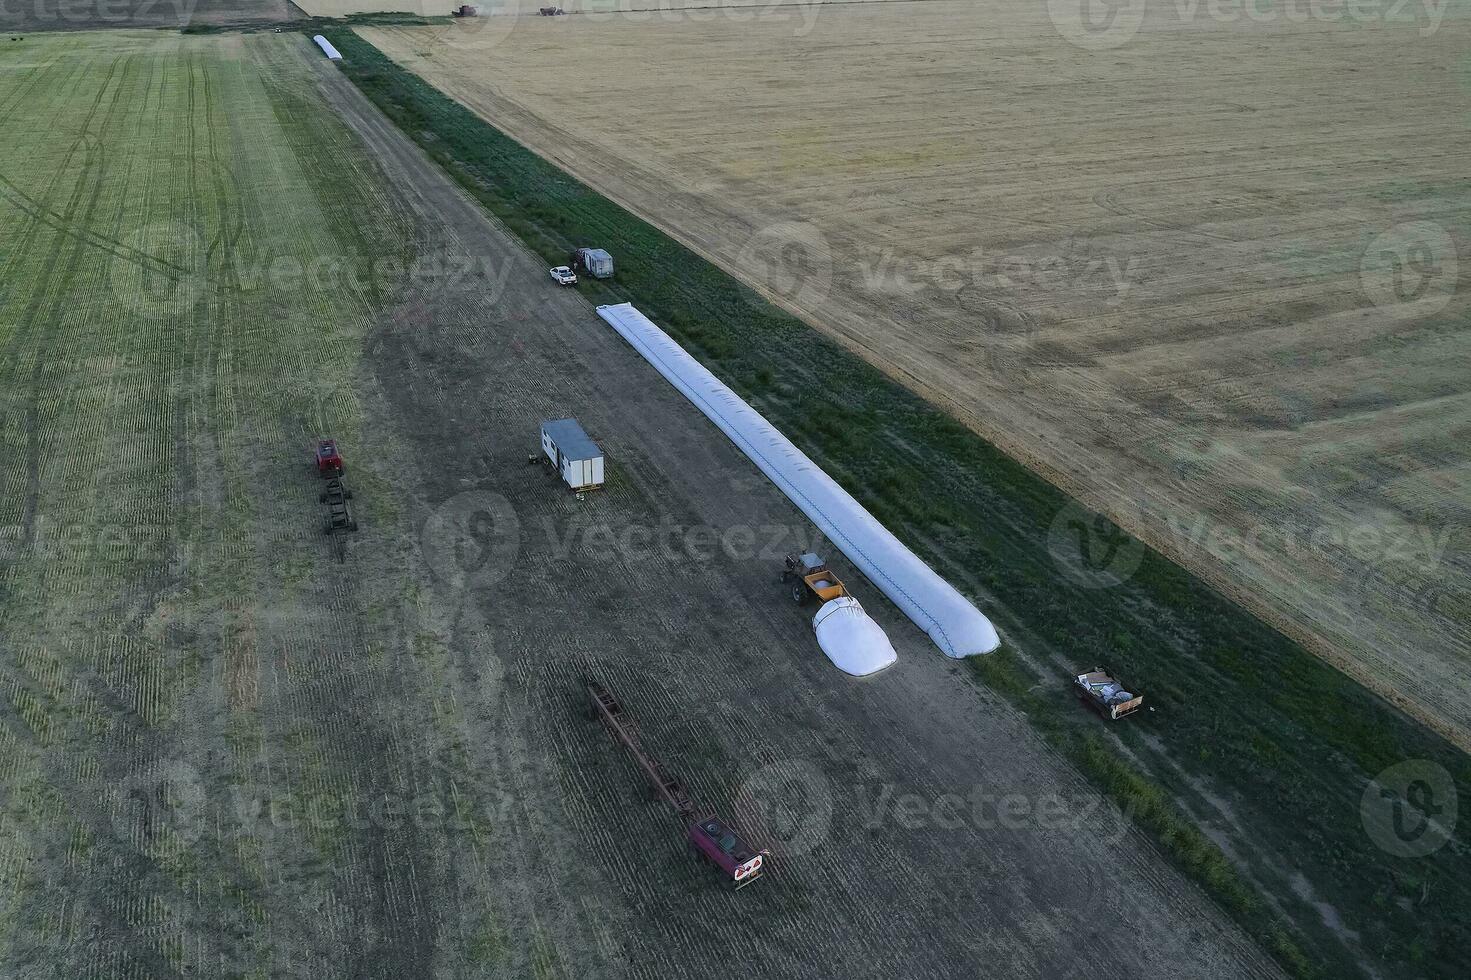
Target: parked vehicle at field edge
x: 1107, y: 696
x: 563, y: 276
x: 595, y: 262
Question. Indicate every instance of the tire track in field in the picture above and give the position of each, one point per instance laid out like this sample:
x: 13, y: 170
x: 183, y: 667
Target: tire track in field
x: 30, y: 208
x: 41, y: 309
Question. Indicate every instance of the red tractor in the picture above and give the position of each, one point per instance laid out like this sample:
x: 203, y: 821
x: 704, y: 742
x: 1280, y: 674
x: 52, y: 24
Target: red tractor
x: 329, y: 460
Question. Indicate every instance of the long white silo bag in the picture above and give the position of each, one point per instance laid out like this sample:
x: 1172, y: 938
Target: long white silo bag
x: 958, y: 628
x: 327, y: 47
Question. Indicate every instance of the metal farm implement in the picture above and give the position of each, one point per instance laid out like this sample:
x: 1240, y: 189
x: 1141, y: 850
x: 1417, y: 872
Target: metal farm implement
x: 335, y: 495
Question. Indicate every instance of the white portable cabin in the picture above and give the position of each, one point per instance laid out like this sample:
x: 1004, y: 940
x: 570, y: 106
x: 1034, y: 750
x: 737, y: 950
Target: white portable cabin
x: 575, y: 456
x: 596, y: 261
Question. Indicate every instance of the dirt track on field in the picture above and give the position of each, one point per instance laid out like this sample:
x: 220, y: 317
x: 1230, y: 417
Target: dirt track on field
x: 1207, y: 281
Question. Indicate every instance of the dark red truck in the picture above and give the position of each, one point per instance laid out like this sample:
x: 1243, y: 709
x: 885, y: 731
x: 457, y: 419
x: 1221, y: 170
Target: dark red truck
x: 719, y: 845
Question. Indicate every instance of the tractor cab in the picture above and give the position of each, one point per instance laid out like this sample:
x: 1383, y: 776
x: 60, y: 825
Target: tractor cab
x: 329, y: 460
x: 719, y: 844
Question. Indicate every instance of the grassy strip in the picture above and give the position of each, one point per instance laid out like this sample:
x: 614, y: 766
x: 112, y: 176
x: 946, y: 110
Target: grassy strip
x: 1287, y: 743
x: 316, y: 25
x: 1147, y: 804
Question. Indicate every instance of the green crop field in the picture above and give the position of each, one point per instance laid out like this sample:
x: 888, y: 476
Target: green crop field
x: 177, y: 324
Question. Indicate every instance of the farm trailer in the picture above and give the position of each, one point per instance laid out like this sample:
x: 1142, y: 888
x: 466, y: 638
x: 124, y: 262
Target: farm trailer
x: 1099, y: 689
x: 711, y: 838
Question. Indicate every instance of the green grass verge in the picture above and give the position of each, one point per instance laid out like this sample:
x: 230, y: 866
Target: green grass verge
x: 316, y: 24
x: 1245, y: 719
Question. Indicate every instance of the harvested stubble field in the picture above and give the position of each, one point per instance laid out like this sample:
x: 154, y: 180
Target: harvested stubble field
x: 225, y: 754
x: 1155, y: 272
